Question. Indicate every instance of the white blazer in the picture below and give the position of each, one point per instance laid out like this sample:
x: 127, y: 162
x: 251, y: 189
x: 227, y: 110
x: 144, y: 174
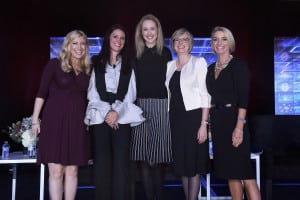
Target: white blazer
x: 192, y: 83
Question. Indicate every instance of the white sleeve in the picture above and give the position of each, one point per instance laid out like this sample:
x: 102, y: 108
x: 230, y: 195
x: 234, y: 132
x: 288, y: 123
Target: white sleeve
x: 96, y: 109
x: 128, y: 112
x: 204, y: 95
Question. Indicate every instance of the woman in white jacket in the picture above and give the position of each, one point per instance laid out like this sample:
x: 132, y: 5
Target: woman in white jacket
x: 189, y: 103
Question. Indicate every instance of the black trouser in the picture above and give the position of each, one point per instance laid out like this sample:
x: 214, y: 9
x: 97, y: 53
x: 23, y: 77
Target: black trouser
x: 111, y: 161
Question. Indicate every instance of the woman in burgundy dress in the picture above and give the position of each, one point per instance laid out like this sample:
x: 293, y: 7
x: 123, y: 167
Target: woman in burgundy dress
x: 62, y: 133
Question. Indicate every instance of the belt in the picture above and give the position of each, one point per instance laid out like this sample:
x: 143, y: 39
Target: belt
x: 220, y: 106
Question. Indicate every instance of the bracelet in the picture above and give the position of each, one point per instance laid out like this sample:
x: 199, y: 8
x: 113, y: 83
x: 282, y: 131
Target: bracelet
x: 204, y: 122
x: 242, y: 120
x: 239, y: 130
x: 36, y: 123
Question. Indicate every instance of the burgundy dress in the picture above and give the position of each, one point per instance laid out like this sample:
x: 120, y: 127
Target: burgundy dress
x: 63, y: 136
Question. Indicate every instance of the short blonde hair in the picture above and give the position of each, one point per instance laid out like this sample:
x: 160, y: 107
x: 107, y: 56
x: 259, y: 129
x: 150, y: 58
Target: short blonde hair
x: 65, y: 54
x: 139, y: 40
x: 228, y: 34
x: 179, y: 32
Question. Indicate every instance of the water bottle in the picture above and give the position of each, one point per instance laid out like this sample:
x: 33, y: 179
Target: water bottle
x: 31, y: 151
x: 5, y: 150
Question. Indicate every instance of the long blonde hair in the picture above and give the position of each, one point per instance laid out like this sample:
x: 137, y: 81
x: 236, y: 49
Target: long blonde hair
x: 139, y: 40
x: 65, y: 54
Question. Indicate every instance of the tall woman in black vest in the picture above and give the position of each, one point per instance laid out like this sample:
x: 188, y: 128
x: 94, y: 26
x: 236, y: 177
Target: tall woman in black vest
x: 110, y: 114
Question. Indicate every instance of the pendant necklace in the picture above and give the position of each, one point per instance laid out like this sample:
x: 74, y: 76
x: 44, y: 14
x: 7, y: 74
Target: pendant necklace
x: 219, y: 66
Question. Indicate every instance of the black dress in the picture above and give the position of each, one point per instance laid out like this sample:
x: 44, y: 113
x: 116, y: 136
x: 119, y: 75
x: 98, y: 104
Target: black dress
x: 190, y: 158
x: 231, y: 87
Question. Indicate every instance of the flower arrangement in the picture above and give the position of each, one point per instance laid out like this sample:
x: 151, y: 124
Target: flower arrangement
x: 20, y: 132
x: 28, y: 139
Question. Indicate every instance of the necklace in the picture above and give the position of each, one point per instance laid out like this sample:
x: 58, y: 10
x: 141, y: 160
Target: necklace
x: 220, y: 66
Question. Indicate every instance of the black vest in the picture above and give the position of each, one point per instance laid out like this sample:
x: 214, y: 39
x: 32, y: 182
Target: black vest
x: 122, y: 87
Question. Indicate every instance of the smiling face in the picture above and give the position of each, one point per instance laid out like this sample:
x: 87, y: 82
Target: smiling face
x: 78, y: 48
x: 220, y: 43
x: 117, y: 41
x: 181, y: 44
x: 149, y: 32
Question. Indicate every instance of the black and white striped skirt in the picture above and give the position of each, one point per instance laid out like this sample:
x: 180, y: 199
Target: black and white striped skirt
x: 151, y: 140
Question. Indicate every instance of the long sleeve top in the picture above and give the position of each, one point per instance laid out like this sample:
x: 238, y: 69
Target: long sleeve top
x: 150, y: 72
x: 97, y: 109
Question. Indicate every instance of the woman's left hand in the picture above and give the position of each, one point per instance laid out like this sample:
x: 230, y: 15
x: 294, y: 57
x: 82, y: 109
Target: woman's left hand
x: 237, y: 137
x: 202, y: 134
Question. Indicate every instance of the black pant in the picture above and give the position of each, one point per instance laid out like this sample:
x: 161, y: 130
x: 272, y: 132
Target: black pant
x: 111, y: 161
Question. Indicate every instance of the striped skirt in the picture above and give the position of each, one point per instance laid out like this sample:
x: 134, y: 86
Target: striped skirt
x: 151, y: 140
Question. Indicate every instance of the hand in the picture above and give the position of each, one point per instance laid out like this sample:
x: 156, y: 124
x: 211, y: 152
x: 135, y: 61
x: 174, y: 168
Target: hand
x: 35, y: 129
x: 112, y: 119
x: 202, y: 134
x: 237, y: 137
x: 114, y: 126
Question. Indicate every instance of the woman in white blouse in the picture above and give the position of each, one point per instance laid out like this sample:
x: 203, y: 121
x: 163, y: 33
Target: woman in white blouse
x: 189, y: 103
x: 111, y: 112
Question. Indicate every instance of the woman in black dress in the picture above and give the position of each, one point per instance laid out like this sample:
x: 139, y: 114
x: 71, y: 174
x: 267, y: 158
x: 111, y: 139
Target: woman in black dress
x: 188, y: 111
x: 228, y: 84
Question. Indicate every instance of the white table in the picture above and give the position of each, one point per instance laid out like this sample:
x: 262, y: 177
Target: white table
x: 254, y: 156
x: 16, y: 158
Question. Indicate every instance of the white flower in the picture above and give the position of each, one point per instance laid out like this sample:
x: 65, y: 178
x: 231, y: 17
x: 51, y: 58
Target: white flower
x: 28, y: 139
x: 21, y: 132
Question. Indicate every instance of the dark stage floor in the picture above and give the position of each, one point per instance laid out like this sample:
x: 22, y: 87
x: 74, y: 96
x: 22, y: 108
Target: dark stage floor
x: 28, y: 186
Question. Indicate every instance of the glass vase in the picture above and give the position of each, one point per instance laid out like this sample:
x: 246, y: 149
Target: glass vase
x: 25, y: 150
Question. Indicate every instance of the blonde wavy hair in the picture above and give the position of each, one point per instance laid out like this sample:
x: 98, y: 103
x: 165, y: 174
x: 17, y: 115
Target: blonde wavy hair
x: 139, y: 40
x: 65, y: 54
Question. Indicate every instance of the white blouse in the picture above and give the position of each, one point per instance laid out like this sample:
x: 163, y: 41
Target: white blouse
x: 97, y: 109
